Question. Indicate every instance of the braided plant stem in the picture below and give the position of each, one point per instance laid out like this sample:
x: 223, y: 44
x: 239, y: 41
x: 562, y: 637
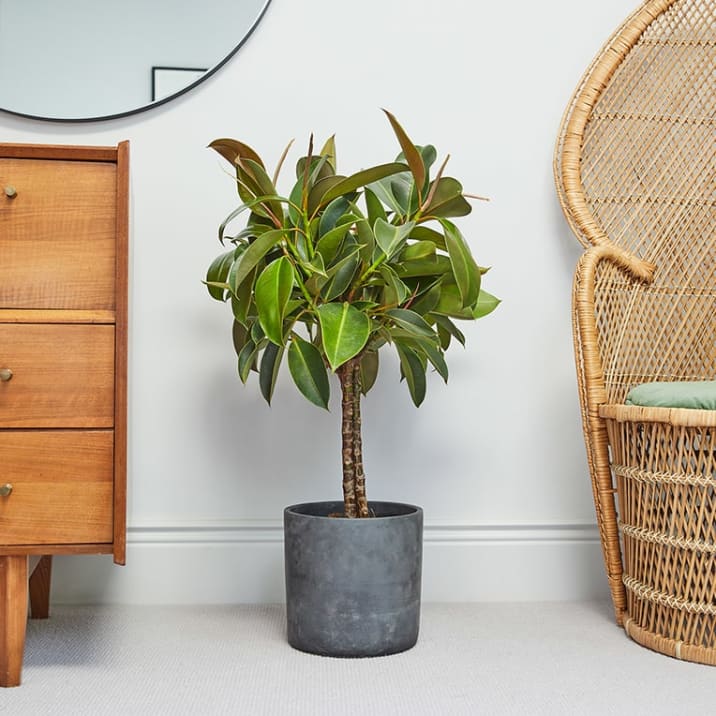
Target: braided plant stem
x: 355, y: 502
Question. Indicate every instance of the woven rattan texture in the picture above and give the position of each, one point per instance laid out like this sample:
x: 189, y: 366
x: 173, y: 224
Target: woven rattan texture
x: 636, y: 175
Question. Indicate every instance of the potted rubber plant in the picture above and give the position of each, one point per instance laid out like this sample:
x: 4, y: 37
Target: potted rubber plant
x: 323, y: 278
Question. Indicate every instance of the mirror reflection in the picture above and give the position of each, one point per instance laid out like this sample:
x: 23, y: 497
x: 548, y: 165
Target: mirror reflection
x: 88, y: 59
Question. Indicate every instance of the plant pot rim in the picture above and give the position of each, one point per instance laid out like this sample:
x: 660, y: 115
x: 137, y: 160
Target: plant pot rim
x: 304, y: 509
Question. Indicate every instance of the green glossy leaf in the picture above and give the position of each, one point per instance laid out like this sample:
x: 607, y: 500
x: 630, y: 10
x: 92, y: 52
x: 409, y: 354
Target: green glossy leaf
x: 464, y: 268
x: 257, y: 333
x: 340, y: 276
x: 413, y: 370
x: 450, y: 303
x: 240, y: 336
x: 264, y: 186
x: 295, y: 305
x: 247, y: 360
x: 223, y: 288
x: 384, y: 194
x: 390, y: 238
x: 319, y: 168
x: 360, y: 179
x: 301, y: 244
x: 395, y: 291
x: 435, y: 266
x: 328, y: 150
x: 445, y: 338
x: 271, y: 294
x: 436, y: 358
x: 424, y: 233
x: 366, y: 240
x: 308, y: 371
x: 217, y: 273
x: 316, y: 266
x: 374, y: 206
x: 330, y: 243
x: 402, y: 187
x: 434, y: 354
x: 256, y: 224
x: 450, y: 328
x: 331, y: 214
x: 427, y: 300
x: 427, y: 349
x: 253, y: 254
x: 418, y: 250
x: 242, y: 300
x: 368, y: 370
x: 413, y: 156
x: 486, y: 304
x: 344, y: 332
x: 294, y: 206
x: 429, y: 155
x: 411, y: 322
x: 268, y: 372
x: 315, y: 195
x: 447, y: 200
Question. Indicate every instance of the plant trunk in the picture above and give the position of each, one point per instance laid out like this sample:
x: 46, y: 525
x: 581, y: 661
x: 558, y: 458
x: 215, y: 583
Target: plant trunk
x: 355, y: 503
x: 361, y: 498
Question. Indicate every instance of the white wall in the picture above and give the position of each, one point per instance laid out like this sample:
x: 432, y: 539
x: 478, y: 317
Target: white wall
x: 495, y: 458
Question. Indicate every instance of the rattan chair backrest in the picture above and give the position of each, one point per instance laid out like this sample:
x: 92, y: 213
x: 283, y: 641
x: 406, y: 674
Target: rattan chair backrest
x: 636, y: 169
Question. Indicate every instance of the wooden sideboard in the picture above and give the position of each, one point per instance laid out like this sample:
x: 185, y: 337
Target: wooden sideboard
x: 63, y: 366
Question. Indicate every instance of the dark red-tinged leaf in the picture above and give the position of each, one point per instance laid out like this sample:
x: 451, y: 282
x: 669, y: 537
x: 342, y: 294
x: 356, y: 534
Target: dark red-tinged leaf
x: 232, y: 149
x: 412, y: 155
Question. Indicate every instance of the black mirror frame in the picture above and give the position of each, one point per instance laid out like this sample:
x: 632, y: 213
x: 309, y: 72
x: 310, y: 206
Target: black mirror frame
x: 157, y: 103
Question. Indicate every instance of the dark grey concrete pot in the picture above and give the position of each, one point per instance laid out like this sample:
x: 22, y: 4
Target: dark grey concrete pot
x: 353, y: 585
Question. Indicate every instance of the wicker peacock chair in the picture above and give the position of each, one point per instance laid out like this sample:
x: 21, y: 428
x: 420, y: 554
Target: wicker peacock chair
x: 636, y: 174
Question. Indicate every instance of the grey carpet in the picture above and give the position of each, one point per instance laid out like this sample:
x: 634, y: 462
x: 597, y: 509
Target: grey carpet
x: 492, y: 659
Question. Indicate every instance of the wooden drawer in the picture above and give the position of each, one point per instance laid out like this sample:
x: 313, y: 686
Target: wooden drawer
x: 62, y: 376
x: 62, y: 487
x: 58, y: 234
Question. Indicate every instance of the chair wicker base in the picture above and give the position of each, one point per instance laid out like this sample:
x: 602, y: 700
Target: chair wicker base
x: 669, y: 647
x: 664, y: 469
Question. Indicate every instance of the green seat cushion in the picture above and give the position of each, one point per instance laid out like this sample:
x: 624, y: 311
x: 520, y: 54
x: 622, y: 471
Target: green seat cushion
x: 699, y: 394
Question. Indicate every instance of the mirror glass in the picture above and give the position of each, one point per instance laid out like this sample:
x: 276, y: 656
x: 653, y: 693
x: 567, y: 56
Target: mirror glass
x: 95, y: 59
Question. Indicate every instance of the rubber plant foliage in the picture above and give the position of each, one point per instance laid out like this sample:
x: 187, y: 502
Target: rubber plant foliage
x: 343, y: 266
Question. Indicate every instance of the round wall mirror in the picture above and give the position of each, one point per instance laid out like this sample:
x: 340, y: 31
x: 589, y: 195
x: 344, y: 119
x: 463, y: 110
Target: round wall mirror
x: 81, y: 60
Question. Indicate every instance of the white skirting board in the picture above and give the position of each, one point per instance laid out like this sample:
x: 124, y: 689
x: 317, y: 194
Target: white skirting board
x: 242, y: 562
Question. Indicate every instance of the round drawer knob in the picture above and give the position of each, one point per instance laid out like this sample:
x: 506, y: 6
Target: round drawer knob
x: 5, y: 374
x: 10, y: 192
x: 5, y: 490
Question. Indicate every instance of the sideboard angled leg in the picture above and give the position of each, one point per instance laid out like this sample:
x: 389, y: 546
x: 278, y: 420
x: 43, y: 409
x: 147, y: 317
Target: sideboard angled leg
x: 40, y: 588
x: 13, y: 618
